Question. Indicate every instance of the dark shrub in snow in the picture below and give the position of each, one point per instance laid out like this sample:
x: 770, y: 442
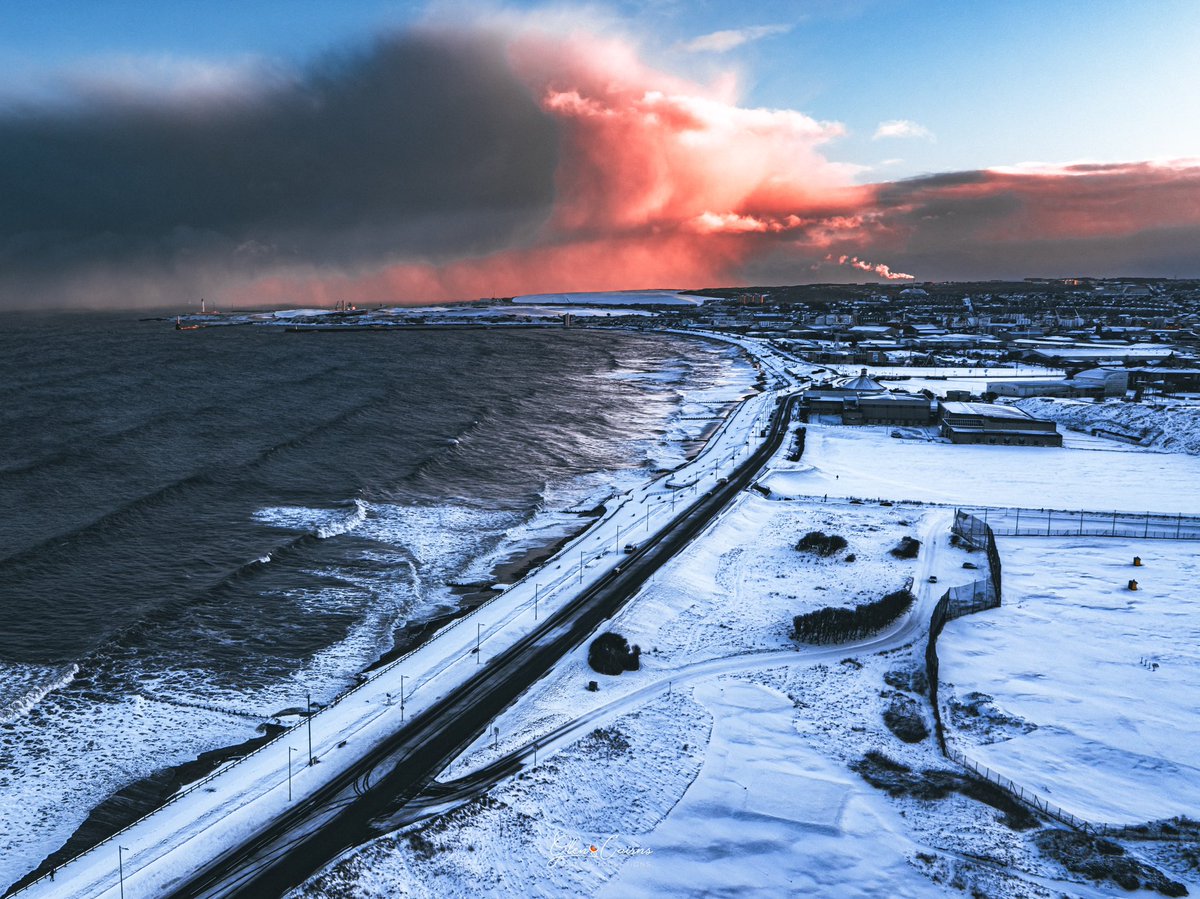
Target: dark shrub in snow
x: 610, y: 654
x: 837, y: 625
x: 821, y: 543
x: 907, y: 548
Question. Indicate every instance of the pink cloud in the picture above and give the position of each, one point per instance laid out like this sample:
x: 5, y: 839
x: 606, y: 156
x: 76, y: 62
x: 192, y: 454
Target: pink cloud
x: 665, y: 182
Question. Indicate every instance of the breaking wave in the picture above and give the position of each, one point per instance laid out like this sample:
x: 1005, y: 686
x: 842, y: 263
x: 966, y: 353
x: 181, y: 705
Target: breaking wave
x: 25, y: 703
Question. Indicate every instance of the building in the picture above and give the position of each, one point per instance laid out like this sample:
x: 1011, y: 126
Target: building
x: 1094, y: 382
x: 996, y: 425
x: 829, y: 397
x: 889, y: 409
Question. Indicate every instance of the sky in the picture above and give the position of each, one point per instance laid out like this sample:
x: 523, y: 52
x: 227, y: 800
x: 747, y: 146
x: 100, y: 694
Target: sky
x: 297, y: 152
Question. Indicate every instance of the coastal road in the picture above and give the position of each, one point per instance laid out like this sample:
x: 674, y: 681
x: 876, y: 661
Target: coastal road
x: 340, y: 816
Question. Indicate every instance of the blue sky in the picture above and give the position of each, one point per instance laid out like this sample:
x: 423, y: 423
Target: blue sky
x: 988, y: 83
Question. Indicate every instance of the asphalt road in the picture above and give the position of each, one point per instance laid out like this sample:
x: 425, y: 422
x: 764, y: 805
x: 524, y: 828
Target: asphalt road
x: 340, y: 816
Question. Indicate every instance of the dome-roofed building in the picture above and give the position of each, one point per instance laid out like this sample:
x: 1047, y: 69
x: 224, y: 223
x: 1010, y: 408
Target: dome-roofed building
x: 861, y: 384
x: 860, y: 399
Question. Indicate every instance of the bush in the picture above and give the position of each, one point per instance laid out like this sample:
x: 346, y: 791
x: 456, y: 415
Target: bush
x: 821, y: 543
x: 611, y: 654
x: 907, y: 548
x: 837, y: 625
x: 903, y: 718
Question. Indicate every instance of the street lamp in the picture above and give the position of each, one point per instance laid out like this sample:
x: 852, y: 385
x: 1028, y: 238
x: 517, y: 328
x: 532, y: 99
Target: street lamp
x: 402, y: 698
x: 291, y: 749
x: 308, y: 715
x: 121, y: 868
x: 478, y: 635
x: 537, y: 589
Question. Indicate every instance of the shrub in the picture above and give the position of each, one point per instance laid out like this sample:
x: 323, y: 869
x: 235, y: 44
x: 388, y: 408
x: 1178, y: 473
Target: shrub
x: 907, y: 548
x: 837, y: 625
x: 611, y: 654
x: 821, y: 544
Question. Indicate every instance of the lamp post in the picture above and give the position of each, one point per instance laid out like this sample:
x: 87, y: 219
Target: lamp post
x: 537, y: 590
x: 478, y: 635
x: 121, y: 868
x: 402, y: 698
x: 291, y: 749
x: 308, y: 710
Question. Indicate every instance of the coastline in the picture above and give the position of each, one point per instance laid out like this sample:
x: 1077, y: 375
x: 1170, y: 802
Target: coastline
x: 145, y: 795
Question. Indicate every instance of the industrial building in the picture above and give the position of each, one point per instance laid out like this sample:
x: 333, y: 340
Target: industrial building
x: 1094, y: 382
x: 996, y: 425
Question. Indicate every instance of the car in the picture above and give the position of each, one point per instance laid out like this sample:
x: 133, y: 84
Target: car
x: 933, y: 578
x: 631, y: 547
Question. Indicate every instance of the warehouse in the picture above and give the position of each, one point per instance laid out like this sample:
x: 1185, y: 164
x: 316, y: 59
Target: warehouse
x: 996, y: 425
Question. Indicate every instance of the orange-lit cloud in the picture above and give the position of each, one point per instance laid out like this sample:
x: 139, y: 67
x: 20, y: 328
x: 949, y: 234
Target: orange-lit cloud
x: 458, y: 164
x: 666, y: 182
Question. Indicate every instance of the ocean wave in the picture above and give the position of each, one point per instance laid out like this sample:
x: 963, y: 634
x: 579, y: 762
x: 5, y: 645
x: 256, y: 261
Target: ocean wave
x: 346, y: 524
x: 24, y: 703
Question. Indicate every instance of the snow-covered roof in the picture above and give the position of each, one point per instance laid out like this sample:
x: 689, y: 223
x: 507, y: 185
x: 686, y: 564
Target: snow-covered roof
x: 862, y: 383
x: 988, y: 410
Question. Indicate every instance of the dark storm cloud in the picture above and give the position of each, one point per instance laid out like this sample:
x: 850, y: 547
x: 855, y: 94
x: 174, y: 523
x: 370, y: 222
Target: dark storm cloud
x: 419, y: 146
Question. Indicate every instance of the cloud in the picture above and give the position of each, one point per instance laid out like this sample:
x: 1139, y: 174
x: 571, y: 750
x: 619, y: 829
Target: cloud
x: 458, y: 163
x: 724, y: 41
x: 420, y: 145
x: 901, y: 128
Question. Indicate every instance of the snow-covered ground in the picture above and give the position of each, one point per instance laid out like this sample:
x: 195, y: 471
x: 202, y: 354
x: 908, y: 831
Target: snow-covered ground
x: 1162, y: 425
x: 723, y: 764
x: 1085, y: 473
x: 1096, y: 685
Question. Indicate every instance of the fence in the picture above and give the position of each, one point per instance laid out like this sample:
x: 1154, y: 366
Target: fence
x: 958, y: 601
x: 1016, y: 522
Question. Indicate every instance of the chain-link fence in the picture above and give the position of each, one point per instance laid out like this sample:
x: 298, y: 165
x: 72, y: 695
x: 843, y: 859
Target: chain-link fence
x: 1016, y: 522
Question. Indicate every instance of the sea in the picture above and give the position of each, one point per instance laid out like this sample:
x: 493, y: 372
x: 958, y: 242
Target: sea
x: 200, y: 529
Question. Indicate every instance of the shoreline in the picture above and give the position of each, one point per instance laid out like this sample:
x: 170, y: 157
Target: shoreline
x: 147, y: 794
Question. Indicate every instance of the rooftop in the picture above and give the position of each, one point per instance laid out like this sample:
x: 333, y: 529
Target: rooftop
x: 989, y: 410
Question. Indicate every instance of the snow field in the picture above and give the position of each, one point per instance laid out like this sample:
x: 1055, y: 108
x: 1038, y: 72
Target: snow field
x: 1089, y: 473
x: 1164, y: 425
x: 1107, y: 676
x: 763, y: 804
